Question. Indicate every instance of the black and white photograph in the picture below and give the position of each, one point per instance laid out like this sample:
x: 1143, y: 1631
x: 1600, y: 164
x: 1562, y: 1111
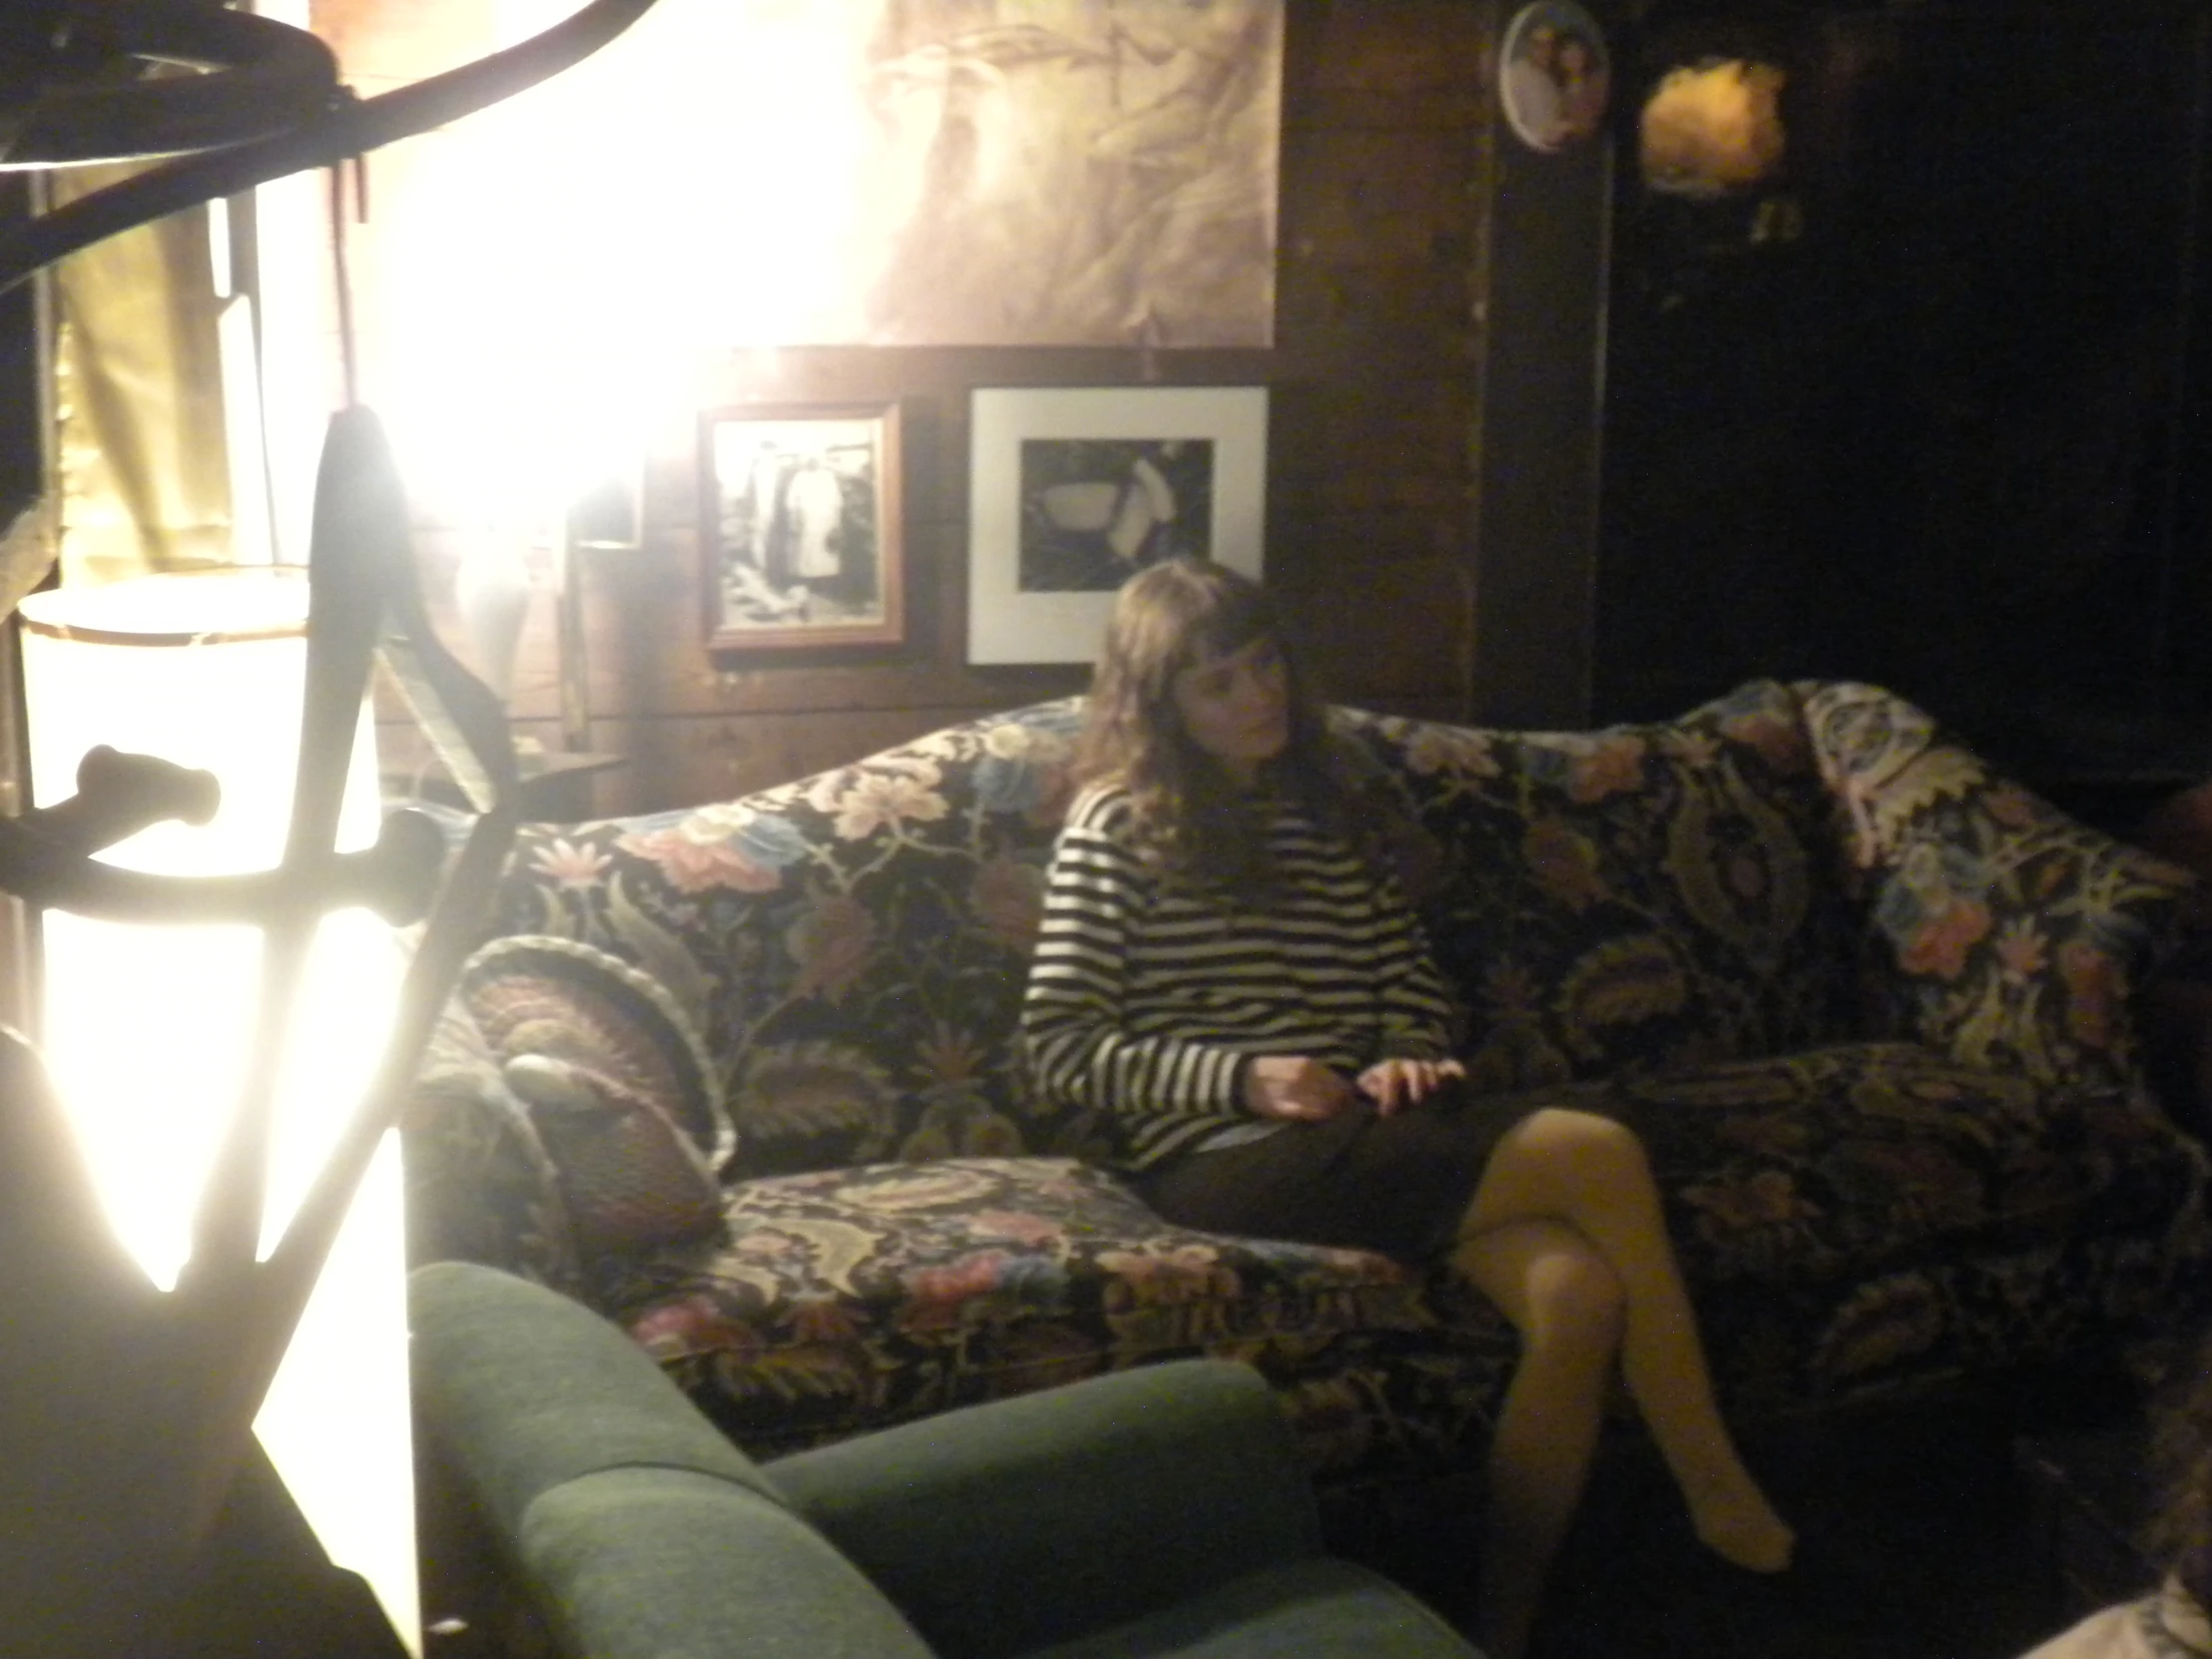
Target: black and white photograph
x: 799, y: 515
x: 1096, y: 510
x: 1073, y: 490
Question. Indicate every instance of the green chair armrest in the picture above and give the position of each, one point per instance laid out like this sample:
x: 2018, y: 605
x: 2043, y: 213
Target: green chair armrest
x: 661, y: 1563
x: 1030, y: 1520
x: 637, y: 1529
x: 524, y: 1391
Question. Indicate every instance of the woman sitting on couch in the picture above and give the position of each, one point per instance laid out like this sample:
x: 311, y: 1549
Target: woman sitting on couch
x: 1229, y: 971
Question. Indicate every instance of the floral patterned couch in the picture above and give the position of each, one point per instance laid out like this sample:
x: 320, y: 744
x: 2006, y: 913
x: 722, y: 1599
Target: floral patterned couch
x: 1871, y: 1004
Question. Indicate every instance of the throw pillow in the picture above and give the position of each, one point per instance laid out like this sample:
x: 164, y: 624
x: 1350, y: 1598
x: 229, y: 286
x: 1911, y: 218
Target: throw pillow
x: 481, y: 1186
x: 631, y: 1178
x: 617, y: 1082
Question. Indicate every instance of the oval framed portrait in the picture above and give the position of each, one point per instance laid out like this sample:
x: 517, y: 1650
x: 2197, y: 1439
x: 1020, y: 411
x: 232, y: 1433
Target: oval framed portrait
x: 1554, y: 75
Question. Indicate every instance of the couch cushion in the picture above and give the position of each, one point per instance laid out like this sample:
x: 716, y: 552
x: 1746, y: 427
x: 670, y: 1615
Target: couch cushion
x: 632, y: 1178
x: 1641, y: 899
x: 1852, y: 1219
x: 1876, y: 1210
x: 850, y: 1298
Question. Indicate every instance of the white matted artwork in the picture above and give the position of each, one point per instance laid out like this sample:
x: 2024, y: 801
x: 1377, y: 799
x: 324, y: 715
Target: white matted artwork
x: 1073, y: 489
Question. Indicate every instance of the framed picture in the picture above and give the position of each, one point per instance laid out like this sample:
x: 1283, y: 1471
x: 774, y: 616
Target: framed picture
x: 1071, y: 490
x: 799, y: 520
x: 1554, y: 75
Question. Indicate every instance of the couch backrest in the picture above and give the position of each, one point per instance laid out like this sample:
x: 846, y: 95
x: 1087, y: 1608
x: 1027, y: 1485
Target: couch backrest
x: 1999, y: 930
x: 854, y: 945
x: 1640, y: 897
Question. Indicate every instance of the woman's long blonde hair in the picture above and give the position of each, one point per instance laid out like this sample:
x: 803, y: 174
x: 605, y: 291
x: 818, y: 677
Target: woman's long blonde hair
x: 1192, y: 818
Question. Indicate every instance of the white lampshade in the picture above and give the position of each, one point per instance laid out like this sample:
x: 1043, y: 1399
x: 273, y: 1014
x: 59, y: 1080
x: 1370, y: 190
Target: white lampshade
x: 145, y: 1029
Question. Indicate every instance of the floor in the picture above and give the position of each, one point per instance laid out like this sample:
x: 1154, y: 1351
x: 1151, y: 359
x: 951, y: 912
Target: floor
x: 1923, y: 1540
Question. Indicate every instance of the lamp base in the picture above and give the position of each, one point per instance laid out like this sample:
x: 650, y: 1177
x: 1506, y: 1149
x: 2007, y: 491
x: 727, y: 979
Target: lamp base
x: 264, y: 1589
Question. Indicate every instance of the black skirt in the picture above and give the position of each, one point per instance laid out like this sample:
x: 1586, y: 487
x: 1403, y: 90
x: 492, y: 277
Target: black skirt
x: 1397, y: 1185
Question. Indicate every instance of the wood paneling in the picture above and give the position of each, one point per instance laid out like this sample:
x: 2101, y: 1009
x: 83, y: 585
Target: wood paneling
x: 1373, y: 380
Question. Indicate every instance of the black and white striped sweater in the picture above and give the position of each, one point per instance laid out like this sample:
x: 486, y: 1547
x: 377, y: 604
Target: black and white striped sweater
x: 1145, y: 995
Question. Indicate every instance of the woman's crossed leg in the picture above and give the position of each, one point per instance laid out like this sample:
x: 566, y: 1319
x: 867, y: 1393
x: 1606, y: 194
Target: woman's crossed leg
x: 1566, y: 1234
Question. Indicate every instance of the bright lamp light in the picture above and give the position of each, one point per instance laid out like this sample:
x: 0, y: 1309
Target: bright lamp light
x: 145, y: 1029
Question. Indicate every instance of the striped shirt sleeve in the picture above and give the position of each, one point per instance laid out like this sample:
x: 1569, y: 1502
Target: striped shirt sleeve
x: 1166, y: 1088
x: 1417, y: 1009
x: 1146, y: 997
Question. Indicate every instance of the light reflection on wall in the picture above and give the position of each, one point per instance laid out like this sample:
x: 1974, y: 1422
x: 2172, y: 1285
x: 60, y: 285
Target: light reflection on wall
x: 734, y: 175
x: 576, y: 247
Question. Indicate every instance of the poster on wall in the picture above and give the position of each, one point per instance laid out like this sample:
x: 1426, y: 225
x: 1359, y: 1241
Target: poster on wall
x: 1554, y: 75
x: 1074, y: 489
x: 800, y: 525
x: 1019, y: 173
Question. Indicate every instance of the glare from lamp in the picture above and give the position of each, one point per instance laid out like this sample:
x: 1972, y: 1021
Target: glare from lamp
x: 557, y: 256
x: 145, y: 1029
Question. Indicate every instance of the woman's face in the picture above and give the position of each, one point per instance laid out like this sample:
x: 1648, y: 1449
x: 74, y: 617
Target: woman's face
x: 1237, y: 706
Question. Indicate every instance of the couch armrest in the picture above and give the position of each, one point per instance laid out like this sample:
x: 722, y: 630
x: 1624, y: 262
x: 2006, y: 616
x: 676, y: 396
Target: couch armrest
x: 524, y: 1390
x: 1000, y: 1527
x: 2003, y: 932
x: 636, y: 1529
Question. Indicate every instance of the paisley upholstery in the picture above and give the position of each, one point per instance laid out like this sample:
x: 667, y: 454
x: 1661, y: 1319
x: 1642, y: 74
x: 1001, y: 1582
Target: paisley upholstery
x: 1868, y: 1003
x: 2002, y: 931
x: 1636, y: 899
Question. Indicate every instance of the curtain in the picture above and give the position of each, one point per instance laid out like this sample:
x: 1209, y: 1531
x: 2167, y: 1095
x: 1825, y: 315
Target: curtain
x: 144, y: 468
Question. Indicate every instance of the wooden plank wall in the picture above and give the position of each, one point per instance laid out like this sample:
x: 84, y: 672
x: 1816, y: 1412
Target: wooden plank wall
x: 1374, y: 379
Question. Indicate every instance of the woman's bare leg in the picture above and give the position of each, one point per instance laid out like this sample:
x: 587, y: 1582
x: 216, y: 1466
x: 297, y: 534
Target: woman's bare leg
x: 1569, y: 1309
x: 1590, y: 1173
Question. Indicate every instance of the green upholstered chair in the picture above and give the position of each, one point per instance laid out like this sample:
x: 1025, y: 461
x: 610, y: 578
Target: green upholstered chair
x: 1154, y: 1511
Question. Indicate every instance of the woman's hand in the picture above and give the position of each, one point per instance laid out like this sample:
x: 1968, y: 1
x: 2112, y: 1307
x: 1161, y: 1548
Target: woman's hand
x: 1391, y: 1084
x: 1295, y: 1089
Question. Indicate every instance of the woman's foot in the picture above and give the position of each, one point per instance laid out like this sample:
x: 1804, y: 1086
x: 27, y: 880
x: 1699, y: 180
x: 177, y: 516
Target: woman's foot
x: 1745, y: 1533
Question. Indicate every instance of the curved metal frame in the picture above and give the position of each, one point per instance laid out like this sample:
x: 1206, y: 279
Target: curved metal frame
x: 261, y: 78
x: 346, y: 128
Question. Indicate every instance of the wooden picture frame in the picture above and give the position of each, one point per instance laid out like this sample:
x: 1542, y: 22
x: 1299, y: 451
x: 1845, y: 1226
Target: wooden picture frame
x: 800, y: 537
x: 1072, y: 489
